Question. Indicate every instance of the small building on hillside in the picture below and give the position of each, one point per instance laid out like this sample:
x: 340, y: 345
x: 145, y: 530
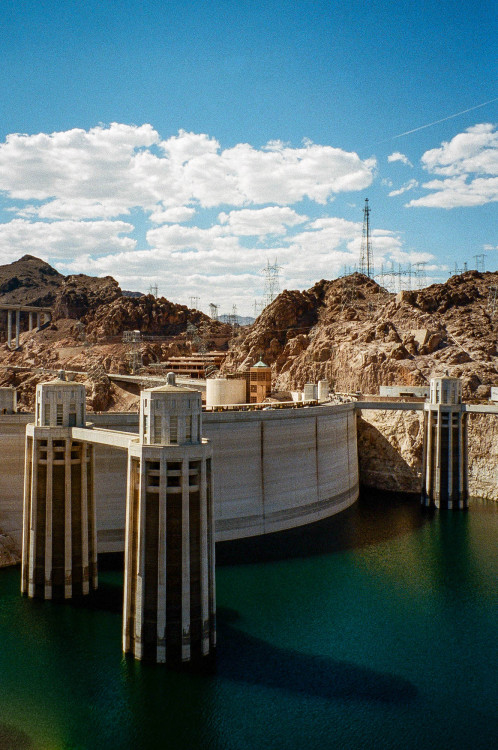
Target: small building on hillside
x: 259, y: 382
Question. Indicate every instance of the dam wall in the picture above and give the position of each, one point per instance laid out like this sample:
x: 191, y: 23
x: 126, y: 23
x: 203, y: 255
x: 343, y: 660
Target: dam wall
x: 273, y: 470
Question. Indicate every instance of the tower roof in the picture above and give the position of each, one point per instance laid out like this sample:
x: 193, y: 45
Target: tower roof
x: 172, y: 389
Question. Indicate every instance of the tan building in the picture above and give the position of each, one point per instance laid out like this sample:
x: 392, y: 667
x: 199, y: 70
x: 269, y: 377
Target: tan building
x: 259, y: 382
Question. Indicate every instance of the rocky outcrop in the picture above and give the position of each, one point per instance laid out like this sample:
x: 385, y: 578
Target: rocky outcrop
x: 390, y: 449
x: 483, y: 456
x: 100, y: 396
x: 31, y: 281
x: 355, y: 334
x: 79, y: 294
x: 148, y: 314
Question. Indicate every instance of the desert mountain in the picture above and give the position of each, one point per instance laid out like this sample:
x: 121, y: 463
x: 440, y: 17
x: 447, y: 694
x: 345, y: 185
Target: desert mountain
x: 358, y: 336
x: 85, y: 334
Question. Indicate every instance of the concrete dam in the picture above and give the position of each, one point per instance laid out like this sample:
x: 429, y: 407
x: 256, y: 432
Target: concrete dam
x: 269, y: 471
x: 275, y: 470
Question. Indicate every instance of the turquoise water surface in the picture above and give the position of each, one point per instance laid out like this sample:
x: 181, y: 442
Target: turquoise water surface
x: 376, y: 629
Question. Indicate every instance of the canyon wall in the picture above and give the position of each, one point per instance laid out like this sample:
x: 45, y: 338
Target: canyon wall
x: 390, y: 447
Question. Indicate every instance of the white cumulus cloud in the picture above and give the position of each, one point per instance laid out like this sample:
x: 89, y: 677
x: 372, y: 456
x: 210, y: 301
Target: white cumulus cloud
x: 404, y: 188
x: 107, y: 171
x: 469, y: 162
x: 398, y: 156
x: 257, y: 222
x: 63, y: 239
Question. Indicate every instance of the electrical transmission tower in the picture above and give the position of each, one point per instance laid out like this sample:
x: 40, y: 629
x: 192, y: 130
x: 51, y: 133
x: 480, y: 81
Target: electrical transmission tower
x: 349, y: 296
x: 366, y: 254
x: 213, y: 311
x: 479, y: 259
x: 272, y: 281
x: 233, y: 317
x: 153, y: 290
x: 458, y: 271
x: 257, y: 308
x: 133, y: 340
x: 396, y: 281
x: 420, y: 274
x: 194, y: 302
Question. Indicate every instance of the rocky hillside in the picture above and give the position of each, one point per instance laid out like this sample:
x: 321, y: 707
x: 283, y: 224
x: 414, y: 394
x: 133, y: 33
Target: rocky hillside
x: 148, y: 314
x: 358, y: 336
x: 31, y: 281
x: 85, y: 335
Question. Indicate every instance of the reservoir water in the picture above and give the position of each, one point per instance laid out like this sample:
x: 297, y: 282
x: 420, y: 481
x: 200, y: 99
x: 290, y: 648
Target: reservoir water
x: 375, y: 629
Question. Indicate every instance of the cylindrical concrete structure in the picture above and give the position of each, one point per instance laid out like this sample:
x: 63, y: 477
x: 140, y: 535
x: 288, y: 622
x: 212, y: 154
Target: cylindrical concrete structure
x: 220, y: 391
x: 9, y: 328
x: 445, y: 482
x: 169, y: 598
x: 18, y: 328
x: 59, y: 555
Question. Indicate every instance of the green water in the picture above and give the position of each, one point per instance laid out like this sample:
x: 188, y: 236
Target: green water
x: 376, y: 629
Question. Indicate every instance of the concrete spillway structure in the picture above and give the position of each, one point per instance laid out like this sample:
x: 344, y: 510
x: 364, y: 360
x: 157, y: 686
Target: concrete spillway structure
x: 59, y: 546
x: 445, y: 468
x: 169, y: 596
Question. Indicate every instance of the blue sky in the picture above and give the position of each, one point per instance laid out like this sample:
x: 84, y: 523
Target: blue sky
x: 185, y: 143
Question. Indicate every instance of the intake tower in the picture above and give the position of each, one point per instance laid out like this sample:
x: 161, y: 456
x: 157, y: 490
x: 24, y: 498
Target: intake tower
x: 169, y: 597
x: 59, y: 549
x: 445, y: 471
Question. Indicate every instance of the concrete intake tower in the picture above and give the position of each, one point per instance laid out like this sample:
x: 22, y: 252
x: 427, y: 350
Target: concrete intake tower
x: 59, y: 546
x: 445, y: 468
x: 169, y: 584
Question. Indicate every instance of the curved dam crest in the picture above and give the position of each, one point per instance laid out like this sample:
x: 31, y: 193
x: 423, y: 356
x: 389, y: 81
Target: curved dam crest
x: 274, y: 470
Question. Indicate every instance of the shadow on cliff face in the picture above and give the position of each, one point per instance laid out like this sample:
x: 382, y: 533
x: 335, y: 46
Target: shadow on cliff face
x: 381, y: 465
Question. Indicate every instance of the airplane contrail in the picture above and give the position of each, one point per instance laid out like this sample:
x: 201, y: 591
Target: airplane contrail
x: 436, y: 122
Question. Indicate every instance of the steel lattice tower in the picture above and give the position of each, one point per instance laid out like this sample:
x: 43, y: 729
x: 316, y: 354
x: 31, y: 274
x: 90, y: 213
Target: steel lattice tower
x: 366, y: 254
x: 272, y: 281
